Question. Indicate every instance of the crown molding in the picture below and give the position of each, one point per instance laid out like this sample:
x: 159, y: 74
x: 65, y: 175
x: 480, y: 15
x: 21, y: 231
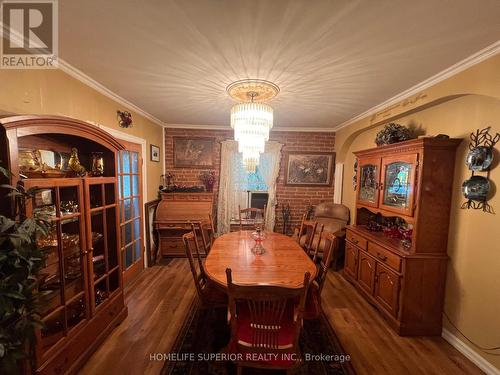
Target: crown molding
x: 227, y: 127
x: 466, y: 63
x: 92, y: 83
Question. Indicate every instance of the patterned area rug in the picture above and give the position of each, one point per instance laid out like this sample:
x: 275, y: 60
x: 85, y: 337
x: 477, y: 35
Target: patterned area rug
x: 205, y: 333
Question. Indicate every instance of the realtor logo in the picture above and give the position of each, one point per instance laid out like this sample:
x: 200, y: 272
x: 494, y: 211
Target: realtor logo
x: 29, y: 34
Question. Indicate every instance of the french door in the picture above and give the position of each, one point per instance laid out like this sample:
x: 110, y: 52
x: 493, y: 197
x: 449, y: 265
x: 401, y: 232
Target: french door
x: 131, y: 216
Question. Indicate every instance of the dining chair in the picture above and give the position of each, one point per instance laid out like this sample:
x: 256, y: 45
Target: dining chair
x: 313, y: 300
x: 305, y: 234
x: 251, y: 215
x: 266, y: 319
x: 209, y: 294
x: 207, y: 233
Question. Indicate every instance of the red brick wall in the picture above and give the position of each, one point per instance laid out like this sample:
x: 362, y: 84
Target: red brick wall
x: 298, y: 197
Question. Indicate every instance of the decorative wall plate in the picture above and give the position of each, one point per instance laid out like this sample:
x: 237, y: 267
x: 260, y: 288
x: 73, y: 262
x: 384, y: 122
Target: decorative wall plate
x: 479, y: 158
x: 476, y: 188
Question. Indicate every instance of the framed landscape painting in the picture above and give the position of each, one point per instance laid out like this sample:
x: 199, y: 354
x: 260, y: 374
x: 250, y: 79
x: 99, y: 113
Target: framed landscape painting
x: 309, y: 168
x: 194, y: 152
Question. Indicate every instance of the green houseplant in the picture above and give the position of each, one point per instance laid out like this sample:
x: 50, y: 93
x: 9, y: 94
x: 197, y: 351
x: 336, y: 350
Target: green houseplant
x: 20, y: 261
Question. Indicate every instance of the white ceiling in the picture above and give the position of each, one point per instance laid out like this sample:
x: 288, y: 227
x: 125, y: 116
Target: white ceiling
x: 332, y: 59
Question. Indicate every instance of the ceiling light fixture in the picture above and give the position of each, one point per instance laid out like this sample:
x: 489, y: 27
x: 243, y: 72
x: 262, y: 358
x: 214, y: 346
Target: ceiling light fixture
x: 251, y: 118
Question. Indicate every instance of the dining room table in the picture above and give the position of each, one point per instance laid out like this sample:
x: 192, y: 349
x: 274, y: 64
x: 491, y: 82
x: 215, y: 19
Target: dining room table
x: 283, y: 262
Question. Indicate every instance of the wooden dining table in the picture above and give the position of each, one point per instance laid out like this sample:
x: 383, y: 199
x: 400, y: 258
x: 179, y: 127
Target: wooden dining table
x: 283, y: 263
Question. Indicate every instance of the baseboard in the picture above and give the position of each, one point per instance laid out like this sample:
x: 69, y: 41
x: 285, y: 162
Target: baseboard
x: 470, y: 353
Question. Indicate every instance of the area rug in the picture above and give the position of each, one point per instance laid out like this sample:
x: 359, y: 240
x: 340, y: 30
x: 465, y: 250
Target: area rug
x: 205, y: 333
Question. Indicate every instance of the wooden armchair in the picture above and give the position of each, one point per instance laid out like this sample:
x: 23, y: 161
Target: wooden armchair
x: 313, y: 301
x: 210, y: 296
x: 266, y: 319
x: 249, y: 216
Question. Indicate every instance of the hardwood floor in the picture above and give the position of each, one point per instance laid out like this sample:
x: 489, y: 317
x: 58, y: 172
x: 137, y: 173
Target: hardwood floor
x: 158, y: 299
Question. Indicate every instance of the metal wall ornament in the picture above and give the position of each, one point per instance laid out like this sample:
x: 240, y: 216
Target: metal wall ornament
x: 479, y: 159
x: 124, y: 119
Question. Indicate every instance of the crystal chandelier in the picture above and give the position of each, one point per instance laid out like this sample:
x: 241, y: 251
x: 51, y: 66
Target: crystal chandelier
x: 252, y: 119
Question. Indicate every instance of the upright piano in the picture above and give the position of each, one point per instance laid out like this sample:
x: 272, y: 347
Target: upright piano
x: 174, y: 215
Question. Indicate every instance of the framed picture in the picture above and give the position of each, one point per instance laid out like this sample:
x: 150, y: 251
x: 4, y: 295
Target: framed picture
x: 155, y: 153
x: 194, y: 152
x: 309, y: 168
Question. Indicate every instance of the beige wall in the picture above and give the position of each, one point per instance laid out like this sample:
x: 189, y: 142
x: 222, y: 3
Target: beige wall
x: 473, y: 288
x: 54, y: 92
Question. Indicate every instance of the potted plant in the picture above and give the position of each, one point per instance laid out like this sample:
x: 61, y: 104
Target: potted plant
x: 208, y: 179
x: 20, y: 261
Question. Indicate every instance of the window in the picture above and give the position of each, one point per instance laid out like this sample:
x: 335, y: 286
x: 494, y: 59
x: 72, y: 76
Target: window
x: 245, y: 185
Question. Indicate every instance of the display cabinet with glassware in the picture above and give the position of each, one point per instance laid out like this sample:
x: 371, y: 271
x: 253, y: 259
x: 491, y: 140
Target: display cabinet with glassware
x: 72, y: 165
x: 396, y: 250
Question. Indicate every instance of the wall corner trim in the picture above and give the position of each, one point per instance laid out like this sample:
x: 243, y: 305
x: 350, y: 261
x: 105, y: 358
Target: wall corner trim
x: 92, y: 83
x: 466, y: 63
x: 470, y: 353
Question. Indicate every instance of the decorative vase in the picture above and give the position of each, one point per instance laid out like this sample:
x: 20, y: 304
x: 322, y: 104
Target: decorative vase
x: 97, y: 164
x: 258, y: 237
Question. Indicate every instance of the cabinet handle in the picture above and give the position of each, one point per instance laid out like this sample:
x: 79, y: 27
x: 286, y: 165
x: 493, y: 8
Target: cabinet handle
x: 354, y: 241
x: 381, y: 257
x: 381, y: 186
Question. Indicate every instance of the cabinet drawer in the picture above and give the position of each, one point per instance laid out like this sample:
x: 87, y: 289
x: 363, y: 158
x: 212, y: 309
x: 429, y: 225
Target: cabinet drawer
x: 356, y: 239
x: 385, y: 256
x: 172, y: 246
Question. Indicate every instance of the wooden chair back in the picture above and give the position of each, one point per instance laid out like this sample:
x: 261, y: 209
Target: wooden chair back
x: 207, y: 232
x: 250, y: 215
x: 266, y: 306
x: 195, y: 262
x: 329, y: 245
x: 307, y: 228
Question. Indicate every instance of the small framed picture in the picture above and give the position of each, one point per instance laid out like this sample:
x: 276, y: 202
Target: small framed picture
x: 309, y: 168
x: 155, y: 153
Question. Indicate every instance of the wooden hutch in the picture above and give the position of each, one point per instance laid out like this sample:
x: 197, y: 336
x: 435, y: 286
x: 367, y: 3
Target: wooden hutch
x: 174, y: 215
x: 81, y: 278
x: 396, y: 251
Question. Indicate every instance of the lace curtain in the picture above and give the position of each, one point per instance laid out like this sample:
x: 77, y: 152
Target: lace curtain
x: 233, y: 186
x: 226, y: 186
x: 269, y: 167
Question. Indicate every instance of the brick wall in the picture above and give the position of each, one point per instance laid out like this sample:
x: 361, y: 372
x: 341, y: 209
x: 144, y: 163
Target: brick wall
x: 297, y: 197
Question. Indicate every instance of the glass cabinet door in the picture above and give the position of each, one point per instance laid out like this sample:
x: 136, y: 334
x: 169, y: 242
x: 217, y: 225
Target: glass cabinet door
x: 398, y: 183
x: 368, y: 181
x: 62, y: 292
x: 103, y: 240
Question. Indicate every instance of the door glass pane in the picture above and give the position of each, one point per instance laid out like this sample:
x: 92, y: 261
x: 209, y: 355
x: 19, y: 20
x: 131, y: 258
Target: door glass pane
x: 44, y: 203
x: 126, y: 162
x: 49, y: 276
x: 98, y: 261
x: 135, y: 162
x: 69, y: 200
x: 95, y: 196
x: 137, y: 250
x: 397, y: 187
x: 129, y: 256
x: 73, y: 267
x: 137, y: 229
x: 367, y: 185
x: 126, y: 186
x: 52, y: 330
x: 135, y: 185
x: 136, y: 207
x: 127, y: 209
x: 112, y: 240
x: 76, y: 311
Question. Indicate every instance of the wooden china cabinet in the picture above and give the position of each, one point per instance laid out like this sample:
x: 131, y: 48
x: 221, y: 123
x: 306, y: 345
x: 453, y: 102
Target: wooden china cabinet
x: 80, y: 290
x: 396, y: 250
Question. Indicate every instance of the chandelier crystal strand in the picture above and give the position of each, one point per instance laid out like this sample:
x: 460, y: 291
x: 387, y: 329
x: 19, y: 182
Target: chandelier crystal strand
x: 251, y: 123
